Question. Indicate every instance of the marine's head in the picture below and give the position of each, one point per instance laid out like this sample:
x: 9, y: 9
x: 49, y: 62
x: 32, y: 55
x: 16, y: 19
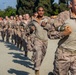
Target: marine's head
x: 73, y: 5
x: 40, y: 11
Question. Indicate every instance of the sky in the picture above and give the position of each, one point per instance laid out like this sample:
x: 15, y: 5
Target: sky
x: 5, y: 3
x: 56, y: 1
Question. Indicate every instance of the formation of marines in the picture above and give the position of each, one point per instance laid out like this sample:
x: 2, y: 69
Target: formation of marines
x: 29, y: 33
x: 13, y: 29
x: 32, y: 34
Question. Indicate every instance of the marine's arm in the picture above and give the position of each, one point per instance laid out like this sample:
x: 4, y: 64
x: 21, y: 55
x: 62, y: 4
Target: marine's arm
x: 59, y: 21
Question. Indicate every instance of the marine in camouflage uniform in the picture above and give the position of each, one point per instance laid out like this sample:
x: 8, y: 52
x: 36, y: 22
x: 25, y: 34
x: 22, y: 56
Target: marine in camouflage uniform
x: 40, y: 25
x: 4, y: 28
x: 17, y: 33
x: 25, y: 23
x: 24, y: 40
x: 65, y: 55
x: 18, y: 38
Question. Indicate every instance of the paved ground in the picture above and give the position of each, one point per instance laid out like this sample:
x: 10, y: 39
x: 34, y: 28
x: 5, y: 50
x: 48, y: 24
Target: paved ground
x: 13, y: 62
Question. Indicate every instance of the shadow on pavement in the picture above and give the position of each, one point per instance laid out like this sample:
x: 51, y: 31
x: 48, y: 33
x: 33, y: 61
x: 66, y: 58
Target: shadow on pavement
x: 28, y: 64
x: 1, y: 41
x: 50, y: 73
x: 17, y: 72
x: 25, y: 61
x: 19, y: 56
x: 19, y: 59
x: 11, y: 46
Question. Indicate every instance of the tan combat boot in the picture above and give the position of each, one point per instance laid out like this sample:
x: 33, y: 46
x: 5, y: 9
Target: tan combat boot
x: 36, y: 72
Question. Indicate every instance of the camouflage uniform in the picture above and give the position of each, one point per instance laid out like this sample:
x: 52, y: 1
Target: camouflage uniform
x: 24, y: 42
x: 4, y: 28
x: 59, y: 20
x: 22, y: 32
x: 1, y: 22
x: 52, y: 32
x: 65, y: 56
x: 39, y: 42
x: 9, y: 31
x: 25, y: 24
x: 17, y: 33
x: 13, y: 30
x: 18, y: 37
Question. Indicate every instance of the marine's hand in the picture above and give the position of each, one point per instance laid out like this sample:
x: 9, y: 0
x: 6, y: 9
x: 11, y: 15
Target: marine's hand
x: 43, y: 24
x: 67, y: 30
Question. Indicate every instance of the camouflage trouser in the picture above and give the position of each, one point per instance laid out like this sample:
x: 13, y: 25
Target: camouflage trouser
x: 3, y: 35
x: 39, y: 52
x: 15, y: 38
x: 24, y: 44
x: 18, y: 40
x: 12, y: 38
x: 65, y: 61
x: 7, y: 35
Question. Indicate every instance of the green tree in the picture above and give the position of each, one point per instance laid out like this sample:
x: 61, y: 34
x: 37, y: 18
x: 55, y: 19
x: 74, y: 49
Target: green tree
x: 25, y: 6
x: 55, y: 8
x: 2, y: 13
x: 62, y: 1
x: 10, y: 11
x: 62, y: 7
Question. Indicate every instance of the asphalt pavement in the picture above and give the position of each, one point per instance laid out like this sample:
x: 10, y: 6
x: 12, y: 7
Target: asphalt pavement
x: 13, y: 61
